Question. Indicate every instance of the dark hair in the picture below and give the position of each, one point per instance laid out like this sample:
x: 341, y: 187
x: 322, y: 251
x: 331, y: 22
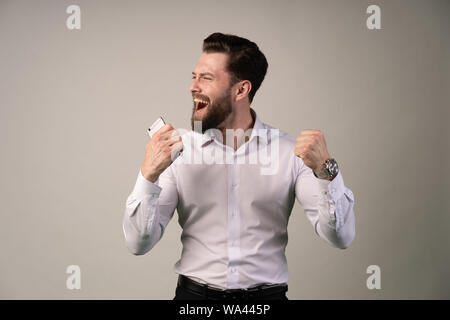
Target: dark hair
x: 245, y: 60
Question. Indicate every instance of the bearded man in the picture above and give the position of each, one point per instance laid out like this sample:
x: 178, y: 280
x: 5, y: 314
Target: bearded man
x: 233, y: 213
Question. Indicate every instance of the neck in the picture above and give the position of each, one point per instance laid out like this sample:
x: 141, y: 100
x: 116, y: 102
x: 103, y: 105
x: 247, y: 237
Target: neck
x: 242, y: 119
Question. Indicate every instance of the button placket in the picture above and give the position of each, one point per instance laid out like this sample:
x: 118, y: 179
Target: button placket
x: 233, y: 224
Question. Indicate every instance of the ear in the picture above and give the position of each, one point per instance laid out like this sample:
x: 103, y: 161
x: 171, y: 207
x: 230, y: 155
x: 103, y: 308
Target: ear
x: 243, y: 89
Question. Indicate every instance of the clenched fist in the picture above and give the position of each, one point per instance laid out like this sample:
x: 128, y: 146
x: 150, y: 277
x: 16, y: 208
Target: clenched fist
x: 160, y: 151
x: 312, y: 149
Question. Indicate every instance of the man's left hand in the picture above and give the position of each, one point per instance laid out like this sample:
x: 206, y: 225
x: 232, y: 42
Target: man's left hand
x: 312, y: 149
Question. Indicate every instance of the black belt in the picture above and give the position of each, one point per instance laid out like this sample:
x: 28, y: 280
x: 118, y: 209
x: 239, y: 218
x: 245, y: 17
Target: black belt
x: 210, y: 292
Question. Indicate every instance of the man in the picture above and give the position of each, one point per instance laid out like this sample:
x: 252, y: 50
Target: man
x: 234, y: 215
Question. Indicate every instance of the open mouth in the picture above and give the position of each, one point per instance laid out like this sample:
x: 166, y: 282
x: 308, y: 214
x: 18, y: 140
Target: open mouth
x: 200, y: 104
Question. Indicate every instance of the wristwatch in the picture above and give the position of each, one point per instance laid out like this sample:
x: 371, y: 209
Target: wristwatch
x: 330, y: 171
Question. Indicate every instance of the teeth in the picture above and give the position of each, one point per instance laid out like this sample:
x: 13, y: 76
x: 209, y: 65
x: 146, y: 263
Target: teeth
x: 198, y: 100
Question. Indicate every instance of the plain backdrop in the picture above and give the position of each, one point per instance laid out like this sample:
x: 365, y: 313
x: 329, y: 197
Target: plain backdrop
x: 75, y: 106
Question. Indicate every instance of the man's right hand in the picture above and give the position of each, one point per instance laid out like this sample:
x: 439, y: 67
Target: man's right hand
x: 159, y: 152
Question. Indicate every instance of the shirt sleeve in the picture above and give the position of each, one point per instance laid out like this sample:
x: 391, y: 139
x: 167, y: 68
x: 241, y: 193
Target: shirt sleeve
x: 328, y: 205
x: 148, y: 210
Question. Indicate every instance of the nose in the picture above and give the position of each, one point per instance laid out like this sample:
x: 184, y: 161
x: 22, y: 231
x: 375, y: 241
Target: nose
x: 194, y: 86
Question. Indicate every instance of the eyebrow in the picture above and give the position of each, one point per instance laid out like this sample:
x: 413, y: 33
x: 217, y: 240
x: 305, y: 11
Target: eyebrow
x: 203, y: 74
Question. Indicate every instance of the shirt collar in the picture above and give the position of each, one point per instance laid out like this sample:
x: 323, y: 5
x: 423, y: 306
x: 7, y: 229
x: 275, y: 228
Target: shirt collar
x: 259, y: 130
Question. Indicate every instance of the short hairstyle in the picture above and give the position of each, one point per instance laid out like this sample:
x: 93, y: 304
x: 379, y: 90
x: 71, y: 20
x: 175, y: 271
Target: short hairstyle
x: 245, y: 60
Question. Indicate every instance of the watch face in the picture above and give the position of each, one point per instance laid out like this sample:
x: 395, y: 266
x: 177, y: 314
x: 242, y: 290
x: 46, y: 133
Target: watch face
x: 333, y: 167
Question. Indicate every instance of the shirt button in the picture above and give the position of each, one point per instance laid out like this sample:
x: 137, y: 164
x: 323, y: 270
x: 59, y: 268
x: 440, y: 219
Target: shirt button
x: 233, y: 270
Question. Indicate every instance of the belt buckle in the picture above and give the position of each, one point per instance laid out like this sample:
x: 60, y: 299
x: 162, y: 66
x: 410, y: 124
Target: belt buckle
x: 237, y: 294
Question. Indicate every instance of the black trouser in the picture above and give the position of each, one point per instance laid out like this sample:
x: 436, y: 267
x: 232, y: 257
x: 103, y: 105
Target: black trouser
x: 191, y: 290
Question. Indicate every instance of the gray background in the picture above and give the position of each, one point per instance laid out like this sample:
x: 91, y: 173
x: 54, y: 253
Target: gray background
x: 75, y: 106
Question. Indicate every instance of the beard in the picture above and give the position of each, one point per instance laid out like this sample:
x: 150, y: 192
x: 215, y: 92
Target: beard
x: 217, y: 112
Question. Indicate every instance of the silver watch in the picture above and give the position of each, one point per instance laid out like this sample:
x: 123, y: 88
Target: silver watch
x: 330, y: 171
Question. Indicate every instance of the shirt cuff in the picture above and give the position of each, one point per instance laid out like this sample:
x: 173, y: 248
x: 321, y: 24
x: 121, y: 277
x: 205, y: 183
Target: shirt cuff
x: 334, y: 189
x: 143, y: 187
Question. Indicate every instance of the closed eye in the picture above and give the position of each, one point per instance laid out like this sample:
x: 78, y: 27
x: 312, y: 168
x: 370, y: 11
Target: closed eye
x: 206, y: 78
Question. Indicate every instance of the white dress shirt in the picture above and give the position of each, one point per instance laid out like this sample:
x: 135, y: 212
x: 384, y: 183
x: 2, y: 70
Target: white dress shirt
x: 233, y: 210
